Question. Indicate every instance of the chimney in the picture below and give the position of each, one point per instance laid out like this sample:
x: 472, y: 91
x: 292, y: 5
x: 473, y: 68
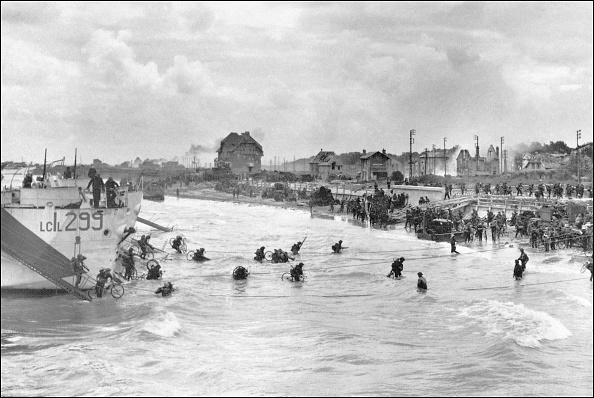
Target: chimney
x: 364, y: 151
x: 384, y: 151
x: 497, y: 151
x: 477, y: 152
x: 246, y: 133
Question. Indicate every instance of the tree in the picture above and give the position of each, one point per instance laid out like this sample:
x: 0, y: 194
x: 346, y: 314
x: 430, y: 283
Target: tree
x: 351, y: 158
x: 558, y: 147
x: 587, y: 150
x: 397, y: 177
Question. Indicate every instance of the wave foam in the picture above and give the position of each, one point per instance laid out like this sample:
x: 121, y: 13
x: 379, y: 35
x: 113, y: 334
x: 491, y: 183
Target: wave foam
x: 579, y: 300
x: 164, y: 325
x: 514, y: 321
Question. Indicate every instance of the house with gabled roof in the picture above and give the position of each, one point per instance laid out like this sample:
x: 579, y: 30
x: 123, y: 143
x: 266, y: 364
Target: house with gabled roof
x: 374, y: 165
x: 324, y: 164
x: 241, y: 153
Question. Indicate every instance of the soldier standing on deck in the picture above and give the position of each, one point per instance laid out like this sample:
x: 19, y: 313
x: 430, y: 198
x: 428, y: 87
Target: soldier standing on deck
x: 110, y: 192
x: 98, y: 187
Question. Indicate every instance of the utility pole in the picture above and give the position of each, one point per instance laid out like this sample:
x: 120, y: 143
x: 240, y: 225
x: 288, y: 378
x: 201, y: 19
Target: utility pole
x: 433, y: 152
x: 505, y: 161
x: 445, y: 158
x: 412, y: 132
x: 577, y: 153
x: 501, y: 156
x: 477, y: 152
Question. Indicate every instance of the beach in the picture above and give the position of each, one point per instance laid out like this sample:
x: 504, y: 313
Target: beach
x: 206, y: 191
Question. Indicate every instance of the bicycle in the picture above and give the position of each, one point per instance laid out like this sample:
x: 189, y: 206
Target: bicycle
x: 116, y: 290
x: 149, y: 255
x: 291, y: 279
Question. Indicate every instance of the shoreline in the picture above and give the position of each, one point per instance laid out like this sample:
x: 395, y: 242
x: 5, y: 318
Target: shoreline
x: 208, y: 193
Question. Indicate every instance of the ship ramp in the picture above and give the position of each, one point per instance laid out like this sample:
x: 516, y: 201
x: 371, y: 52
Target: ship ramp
x: 37, y: 255
x: 152, y: 224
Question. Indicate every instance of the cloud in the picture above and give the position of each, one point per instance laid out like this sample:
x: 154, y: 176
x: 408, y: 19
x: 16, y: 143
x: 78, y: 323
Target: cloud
x: 114, y: 62
x: 24, y: 65
x: 33, y: 13
x: 299, y: 76
x: 459, y: 57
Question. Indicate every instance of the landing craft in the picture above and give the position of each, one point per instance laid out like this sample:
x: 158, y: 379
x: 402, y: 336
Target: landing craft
x: 43, y: 227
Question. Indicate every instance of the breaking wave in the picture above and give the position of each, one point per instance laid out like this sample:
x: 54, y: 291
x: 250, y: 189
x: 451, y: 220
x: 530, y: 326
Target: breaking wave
x: 526, y: 327
x: 163, y: 325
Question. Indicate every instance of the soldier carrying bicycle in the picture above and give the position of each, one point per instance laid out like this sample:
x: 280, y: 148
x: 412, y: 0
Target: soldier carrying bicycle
x: 102, y: 277
x: 177, y: 243
x: 260, y: 254
x: 154, y: 272
x: 145, y: 246
x: 128, y: 263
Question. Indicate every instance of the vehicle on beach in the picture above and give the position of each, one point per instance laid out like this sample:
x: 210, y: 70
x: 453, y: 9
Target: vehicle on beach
x: 440, y: 230
x: 154, y: 192
x: 44, y: 226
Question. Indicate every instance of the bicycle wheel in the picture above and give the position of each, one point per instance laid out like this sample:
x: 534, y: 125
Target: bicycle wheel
x: 268, y: 256
x: 150, y: 263
x: 561, y: 244
x: 117, y: 291
x: 149, y: 256
x: 171, y: 241
x: 184, y: 248
x: 190, y: 255
x: 92, y: 293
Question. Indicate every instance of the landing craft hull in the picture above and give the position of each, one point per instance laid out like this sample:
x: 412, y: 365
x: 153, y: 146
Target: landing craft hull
x: 100, y: 232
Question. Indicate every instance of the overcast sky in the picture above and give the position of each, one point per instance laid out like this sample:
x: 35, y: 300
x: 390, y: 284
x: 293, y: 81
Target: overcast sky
x: 121, y: 80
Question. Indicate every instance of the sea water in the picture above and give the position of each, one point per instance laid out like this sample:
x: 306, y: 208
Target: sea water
x: 347, y: 330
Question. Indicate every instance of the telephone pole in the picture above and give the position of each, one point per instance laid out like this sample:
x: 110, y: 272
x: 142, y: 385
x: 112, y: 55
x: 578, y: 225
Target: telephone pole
x: 501, y: 155
x: 577, y: 153
x: 412, y: 132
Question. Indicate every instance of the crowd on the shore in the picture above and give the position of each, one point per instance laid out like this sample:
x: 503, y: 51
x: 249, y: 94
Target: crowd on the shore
x: 557, y: 233
x: 557, y: 190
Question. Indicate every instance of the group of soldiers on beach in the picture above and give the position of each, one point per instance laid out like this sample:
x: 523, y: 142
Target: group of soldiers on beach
x: 539, y: 191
